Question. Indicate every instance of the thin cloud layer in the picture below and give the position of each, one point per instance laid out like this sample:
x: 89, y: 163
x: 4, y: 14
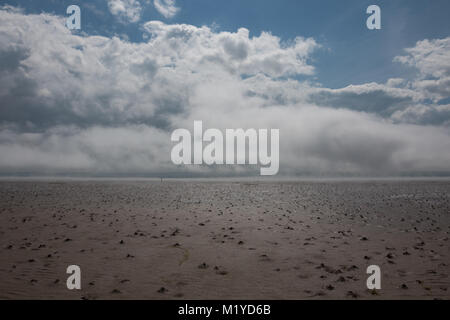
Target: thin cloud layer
x: 166, y: 8
x: 95, y: 105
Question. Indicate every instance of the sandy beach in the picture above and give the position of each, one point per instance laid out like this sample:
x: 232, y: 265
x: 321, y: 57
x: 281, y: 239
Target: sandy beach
x: 225, y: 240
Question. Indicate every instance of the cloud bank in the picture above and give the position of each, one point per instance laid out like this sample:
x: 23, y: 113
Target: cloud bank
x: 81, y: 104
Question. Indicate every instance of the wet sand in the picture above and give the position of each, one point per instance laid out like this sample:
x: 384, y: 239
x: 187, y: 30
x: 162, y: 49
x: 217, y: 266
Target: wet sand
x: 225, y: 240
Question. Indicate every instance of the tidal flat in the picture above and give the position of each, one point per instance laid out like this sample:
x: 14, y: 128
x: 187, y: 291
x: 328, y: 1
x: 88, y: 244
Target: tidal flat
x: 224, y: 239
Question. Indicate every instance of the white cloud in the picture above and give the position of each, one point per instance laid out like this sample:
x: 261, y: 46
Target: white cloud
x: 125, y: 10
x: 201, y: 48
x: 432, y: 59
x: 167, y: 8
x: 96, y: 105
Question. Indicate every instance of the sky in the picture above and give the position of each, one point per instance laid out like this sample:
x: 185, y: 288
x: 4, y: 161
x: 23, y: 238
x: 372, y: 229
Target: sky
x: 104, y: 100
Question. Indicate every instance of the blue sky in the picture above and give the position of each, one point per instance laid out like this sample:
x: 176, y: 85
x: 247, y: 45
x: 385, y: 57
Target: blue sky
x: 350, y: 54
